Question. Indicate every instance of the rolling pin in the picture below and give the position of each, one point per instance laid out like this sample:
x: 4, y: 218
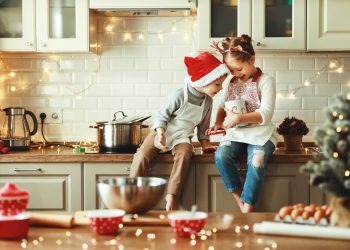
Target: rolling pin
x: 51, y: 220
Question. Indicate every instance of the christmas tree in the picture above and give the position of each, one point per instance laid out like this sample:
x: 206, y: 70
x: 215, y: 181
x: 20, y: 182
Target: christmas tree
x: 330, y: 170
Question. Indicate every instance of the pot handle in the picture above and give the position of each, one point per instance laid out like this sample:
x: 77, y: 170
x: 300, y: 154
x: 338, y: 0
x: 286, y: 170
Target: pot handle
x: 115, y: 115
x: 95, y: 126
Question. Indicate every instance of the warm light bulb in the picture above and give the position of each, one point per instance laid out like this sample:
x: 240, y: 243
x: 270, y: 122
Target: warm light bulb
x: 12, y: 74
x: 332, y: 65
x: 338, y: 129
x: 127, y: 37
x: 341, y: 117
x: 334, y: 114
x: 340, y: 70
x: 109, y: 28
x: 141, y: 36
x: 307, y: 83
x: 13, y: 88
x: 347, y: 173
x: 279, y: 96
x: 335, y: 155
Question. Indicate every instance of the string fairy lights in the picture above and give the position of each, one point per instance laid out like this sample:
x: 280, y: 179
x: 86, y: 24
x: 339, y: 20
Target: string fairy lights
x: 51, y: 65
x: 113, y: 25
x: 333, y: 66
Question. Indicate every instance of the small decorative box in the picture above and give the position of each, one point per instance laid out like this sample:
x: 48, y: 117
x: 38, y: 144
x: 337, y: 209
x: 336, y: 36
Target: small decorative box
x: 13, y: 200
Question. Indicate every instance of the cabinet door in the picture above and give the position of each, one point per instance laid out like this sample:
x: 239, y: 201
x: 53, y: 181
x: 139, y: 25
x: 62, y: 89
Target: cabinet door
x: 51, y: 186
x: 95, y: 172
x: 17, y: 25
x: 62, y: 25
x: 328, y: 25
x: 217, y: 19
x: 279, y: 24
x: 283, y: 185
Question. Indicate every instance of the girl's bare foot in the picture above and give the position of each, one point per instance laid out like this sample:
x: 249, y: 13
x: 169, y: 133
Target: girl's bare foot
x: 170, y: 202
x: 247, y: 208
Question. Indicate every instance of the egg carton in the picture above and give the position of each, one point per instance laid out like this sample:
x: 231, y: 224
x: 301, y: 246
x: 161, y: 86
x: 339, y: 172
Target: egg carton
x: 299, y: 220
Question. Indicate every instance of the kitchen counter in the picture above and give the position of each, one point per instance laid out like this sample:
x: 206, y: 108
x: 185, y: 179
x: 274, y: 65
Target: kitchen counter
x: 163, y: 237
x: 65, y: 154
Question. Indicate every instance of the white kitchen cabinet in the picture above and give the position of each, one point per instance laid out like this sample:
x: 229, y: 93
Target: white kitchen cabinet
x: 51, y: 186
x: 95, y: 172
x: 45, y: 25
x: 273, y: 24
x: 17, y: 25
x: 283, y: 185
x: 219, y: 19
x: 279, y: 24
x: 328, y: 25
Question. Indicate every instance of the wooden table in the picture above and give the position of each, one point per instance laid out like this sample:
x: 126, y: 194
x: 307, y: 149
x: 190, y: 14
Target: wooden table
x: 83, y: 238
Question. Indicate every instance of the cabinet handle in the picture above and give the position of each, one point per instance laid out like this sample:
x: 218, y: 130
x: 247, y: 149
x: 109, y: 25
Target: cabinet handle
x: 127, y: 169
x: 27, y: 169
x: 258, y: 44
x: 43, y: 45
x: 29, y: 44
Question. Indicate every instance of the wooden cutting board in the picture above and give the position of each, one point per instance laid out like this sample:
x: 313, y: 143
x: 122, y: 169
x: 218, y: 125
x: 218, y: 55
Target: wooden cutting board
x: 151, y: 218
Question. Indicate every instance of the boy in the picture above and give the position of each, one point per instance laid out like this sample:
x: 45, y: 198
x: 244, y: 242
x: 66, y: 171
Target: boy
x: 174, y: 125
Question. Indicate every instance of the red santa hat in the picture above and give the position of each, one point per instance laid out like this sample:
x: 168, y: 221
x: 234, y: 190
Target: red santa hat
x: 204, y: 69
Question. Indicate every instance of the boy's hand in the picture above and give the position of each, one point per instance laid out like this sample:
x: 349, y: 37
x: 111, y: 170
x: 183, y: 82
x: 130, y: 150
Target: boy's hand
x: 232, y: 119
x: 160, y: 140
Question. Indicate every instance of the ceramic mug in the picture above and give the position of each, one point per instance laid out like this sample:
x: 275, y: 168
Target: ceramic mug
x: 237, y: 106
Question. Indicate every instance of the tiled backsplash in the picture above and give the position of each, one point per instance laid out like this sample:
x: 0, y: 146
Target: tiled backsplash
x: 135, y: 75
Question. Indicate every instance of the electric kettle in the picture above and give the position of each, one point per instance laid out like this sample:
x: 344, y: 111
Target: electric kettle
x: 15, y: 132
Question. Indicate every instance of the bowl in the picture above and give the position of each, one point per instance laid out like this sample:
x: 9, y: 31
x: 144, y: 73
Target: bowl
x: 105, y: 221
x: 14, y: 227
x: 220, y: 222
x: 133, y: 195
x: 13, y: 200
x: 185, y: 224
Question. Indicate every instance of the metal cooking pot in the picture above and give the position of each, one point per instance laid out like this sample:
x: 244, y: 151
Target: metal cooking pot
x: 120, y: 135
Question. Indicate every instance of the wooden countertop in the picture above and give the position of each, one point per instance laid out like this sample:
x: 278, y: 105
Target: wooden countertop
x: 65, y: 154
x: 84, y: 238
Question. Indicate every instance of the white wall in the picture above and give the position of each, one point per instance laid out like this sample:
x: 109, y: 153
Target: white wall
x: 136, y: 75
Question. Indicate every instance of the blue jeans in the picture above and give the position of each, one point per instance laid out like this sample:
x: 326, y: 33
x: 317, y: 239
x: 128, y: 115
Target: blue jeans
x: 226, y: 157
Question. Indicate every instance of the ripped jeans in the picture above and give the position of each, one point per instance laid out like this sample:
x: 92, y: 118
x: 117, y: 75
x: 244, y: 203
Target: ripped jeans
x: 226, y: 161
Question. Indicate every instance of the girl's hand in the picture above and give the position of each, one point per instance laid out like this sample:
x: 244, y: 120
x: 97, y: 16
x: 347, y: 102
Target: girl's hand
x: 209, y: 149
x: 232, y: 119
x: 214, y: 129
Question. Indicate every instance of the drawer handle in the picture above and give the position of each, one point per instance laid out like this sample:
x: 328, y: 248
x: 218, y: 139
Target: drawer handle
x: 27, y: 169
x: 127, y: 169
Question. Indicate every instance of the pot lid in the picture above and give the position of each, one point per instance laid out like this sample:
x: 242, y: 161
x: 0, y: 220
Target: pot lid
x: 124, y: 119
x: 10, y: 190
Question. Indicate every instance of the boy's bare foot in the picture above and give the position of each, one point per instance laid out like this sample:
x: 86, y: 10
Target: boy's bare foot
x: 170, y: 202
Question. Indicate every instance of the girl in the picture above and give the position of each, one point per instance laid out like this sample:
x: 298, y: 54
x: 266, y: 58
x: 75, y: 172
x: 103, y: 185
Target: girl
x: 258, y: 138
